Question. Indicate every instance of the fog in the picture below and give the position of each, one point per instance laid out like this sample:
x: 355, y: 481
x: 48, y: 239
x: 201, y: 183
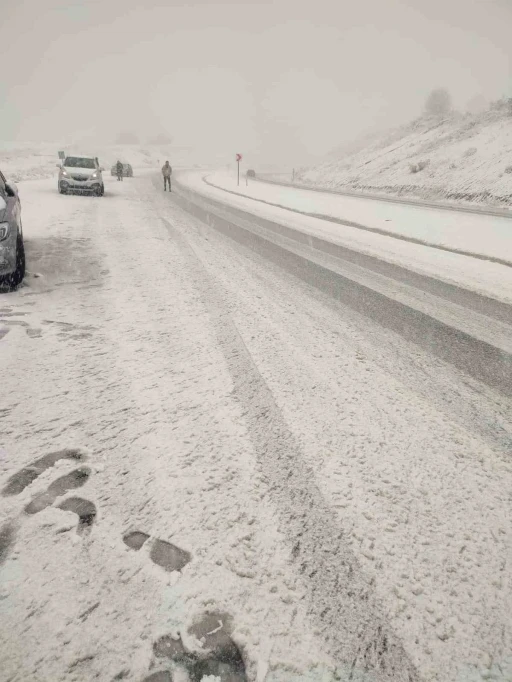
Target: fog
x: 274, y: 80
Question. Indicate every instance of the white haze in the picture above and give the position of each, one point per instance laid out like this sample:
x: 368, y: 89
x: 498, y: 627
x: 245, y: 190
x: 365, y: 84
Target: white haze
x: 281, y: 81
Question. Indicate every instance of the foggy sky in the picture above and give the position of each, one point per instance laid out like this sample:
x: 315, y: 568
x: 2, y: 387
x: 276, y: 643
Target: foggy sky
x: 270, y: 79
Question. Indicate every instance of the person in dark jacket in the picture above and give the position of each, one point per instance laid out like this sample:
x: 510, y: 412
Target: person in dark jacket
x: 167, y: 172
x: 119, y: 169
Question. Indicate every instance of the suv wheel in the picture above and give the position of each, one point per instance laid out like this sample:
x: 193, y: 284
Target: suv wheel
x: 14, y: 279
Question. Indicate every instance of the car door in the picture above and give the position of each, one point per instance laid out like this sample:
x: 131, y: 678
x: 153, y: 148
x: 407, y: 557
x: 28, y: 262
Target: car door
x: 11, y: 198
x: 13, y: 209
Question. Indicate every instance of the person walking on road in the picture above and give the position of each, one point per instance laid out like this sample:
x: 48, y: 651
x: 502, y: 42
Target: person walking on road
x: 119, y: 169
x: 167, y: 172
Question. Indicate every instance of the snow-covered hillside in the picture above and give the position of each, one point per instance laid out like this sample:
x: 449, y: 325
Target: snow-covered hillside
x: 462, y: 158
x: 28, y: 161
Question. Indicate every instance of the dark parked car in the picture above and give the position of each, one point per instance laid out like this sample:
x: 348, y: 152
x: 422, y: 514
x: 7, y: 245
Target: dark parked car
x: 127, y: 170
x: 12, y: 249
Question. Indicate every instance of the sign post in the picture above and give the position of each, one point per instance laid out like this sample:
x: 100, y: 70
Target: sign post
x: 62, y: 156
x: 238, y: 159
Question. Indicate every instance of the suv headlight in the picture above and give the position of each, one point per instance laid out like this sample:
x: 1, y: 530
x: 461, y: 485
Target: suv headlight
x: 95, y: 175
x: 4, y: 231
x: 64, y: 173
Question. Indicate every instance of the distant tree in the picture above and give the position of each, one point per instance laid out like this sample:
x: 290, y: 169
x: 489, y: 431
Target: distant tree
x: 127, y: 137
x: 438, y: 103
x: 477, y: 105
x: 160, y: 139
x: 498, y: 104
x: 503, y: 104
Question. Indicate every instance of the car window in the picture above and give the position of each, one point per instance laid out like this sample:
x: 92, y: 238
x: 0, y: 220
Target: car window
x: 3, y: 190
x: 79, y: 162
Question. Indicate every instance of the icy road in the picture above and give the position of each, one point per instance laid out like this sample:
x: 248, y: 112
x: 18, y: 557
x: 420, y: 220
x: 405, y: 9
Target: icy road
x: 229, y: 450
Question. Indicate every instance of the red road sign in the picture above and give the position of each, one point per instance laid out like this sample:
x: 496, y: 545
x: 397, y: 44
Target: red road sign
x: 238, y: 157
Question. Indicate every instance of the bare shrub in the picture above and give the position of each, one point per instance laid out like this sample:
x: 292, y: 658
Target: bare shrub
x: 418, y: 167
x: 477, y: 105
x: 470, y: 151
x: 438, y: 103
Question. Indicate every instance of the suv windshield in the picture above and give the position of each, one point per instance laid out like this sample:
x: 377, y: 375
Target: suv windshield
x: 79, y: 162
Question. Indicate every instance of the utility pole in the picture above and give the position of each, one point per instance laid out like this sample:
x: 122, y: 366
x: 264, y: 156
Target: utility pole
x: 238, y: 159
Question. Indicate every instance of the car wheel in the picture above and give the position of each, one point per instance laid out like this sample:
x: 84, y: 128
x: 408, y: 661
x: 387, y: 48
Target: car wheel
x: 62, y: 190
x: 14, y: 279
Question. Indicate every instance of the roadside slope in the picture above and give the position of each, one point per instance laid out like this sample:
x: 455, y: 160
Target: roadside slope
x: 463, y: 158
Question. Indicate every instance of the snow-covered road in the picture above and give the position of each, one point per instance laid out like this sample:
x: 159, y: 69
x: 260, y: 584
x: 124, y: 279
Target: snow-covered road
x: 337, y: 493
x: 368, y: 226
x: 477, y: 233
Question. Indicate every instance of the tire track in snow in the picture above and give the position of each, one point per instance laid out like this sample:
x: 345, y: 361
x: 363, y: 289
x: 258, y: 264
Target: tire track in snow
x: 477, y: 359
x: 342, y: 599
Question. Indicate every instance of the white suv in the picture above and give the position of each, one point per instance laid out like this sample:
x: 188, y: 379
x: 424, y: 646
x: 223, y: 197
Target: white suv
x: 82, y: 174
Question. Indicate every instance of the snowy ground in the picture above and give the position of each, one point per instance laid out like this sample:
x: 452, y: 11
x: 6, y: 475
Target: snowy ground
x: 21, y: 162
x: 343, y: 495
x: 488, y: 236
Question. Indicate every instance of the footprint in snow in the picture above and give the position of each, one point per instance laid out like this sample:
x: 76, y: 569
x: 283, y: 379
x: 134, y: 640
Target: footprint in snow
x: 159, y: 676
x: 63, y: 329
x: 219, y: 656
x: 75, y: 479
x: 24, y: 477
x: 7, y: 537
x: 162, y: 553
x: 85, y: 510
x: 73, y: 331
x: 32, y: 332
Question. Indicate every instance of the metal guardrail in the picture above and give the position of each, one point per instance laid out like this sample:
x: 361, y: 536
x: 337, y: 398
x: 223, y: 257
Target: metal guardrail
x: 365, y: 228
x: 445, y: 206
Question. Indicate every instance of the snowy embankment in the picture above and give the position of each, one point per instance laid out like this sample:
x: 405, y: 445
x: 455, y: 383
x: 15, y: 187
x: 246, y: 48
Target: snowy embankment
x: 28, y: 162
x: 488, y: 236
x: 463, y: 158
